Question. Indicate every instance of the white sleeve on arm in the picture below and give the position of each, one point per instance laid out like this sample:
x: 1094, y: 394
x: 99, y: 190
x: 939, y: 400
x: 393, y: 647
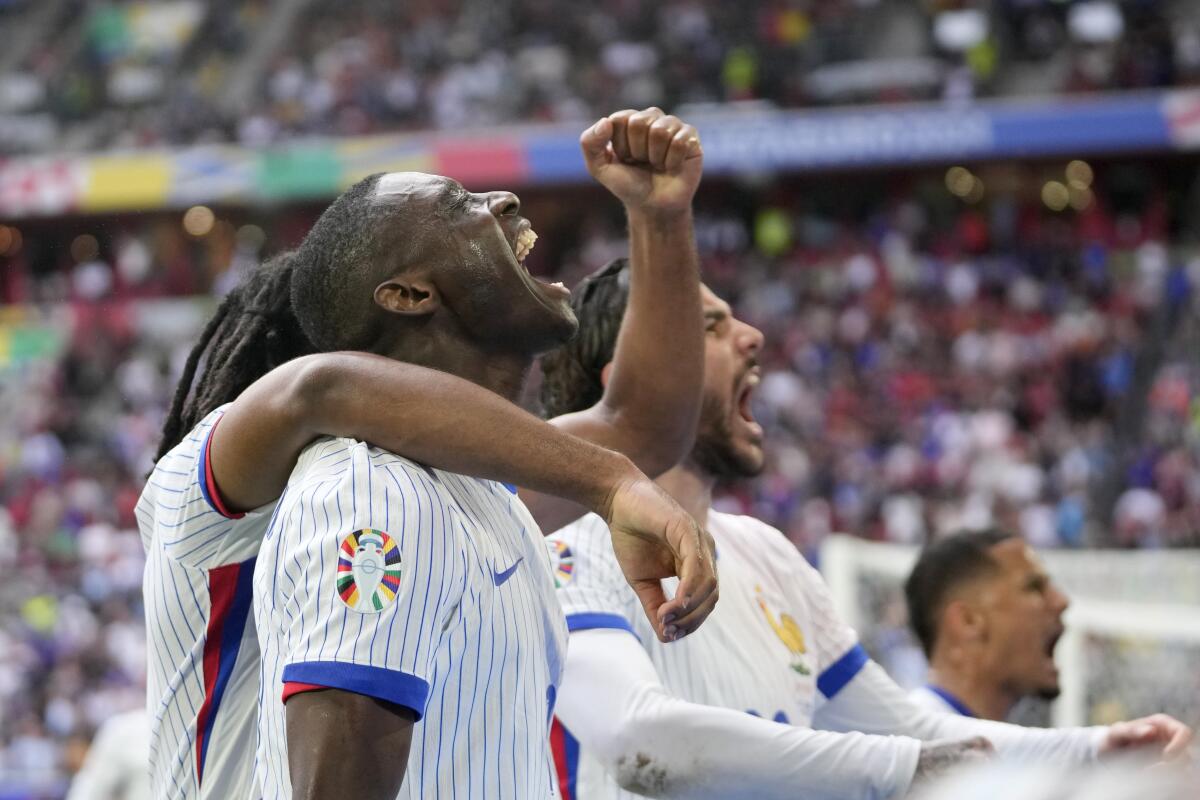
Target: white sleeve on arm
x: 872, y: 702
x: 378, y: 639
x: 193, y: 526
x: 659, y: 745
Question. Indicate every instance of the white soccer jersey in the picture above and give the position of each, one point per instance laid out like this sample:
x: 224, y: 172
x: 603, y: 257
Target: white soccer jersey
x: 773, y: 647
x: 424, y: 588
x: 202, y: 680
x: 115, y: 767
x: 932, y: 698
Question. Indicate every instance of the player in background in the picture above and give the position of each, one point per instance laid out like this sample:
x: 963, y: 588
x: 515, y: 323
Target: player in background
x: 115, y: 765
x: 988, y: 617
x: 434, y: 417
x: 731, y: 710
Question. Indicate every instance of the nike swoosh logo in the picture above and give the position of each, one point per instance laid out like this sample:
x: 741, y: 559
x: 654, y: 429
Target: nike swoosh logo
x: 501, y: 577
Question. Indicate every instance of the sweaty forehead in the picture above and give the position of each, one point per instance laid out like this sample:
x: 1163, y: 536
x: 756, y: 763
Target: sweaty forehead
x: 419, y: 186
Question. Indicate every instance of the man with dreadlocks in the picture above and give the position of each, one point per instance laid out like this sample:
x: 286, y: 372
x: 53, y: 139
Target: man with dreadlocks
x: 409, y: 267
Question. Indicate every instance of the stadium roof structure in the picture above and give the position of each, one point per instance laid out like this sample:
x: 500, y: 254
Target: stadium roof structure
x: 734, y: 143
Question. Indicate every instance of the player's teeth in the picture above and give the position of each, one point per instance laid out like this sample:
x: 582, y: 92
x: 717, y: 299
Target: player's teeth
x: 559, y: 284
x: 523, y: 244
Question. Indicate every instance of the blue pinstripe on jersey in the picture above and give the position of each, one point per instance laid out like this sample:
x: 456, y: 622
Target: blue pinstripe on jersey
x: 186, y: 538
x: 478, y: 647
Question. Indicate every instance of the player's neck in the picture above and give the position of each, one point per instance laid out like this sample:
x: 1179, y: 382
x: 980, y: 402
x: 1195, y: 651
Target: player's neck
x: 986, y: 698
x: 691, y: 487
x: 502, y: 373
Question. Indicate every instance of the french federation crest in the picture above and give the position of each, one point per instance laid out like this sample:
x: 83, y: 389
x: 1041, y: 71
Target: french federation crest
x: 788, y: 632
x: 563, y: 561
x: 368, y: 571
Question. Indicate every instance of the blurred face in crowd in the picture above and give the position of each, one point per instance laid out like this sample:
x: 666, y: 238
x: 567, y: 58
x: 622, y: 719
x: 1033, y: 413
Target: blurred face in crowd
x: 1019, y: 614
x: 729, y: 442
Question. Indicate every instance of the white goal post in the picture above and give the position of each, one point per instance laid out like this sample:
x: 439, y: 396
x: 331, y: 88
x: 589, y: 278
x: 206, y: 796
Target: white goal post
x: 1132, y: 642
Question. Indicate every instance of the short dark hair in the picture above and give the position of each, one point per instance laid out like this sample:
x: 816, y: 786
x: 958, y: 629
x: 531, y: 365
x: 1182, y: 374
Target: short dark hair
x: 337, y: 258
x: 943, y: 566
x: 571, y: 374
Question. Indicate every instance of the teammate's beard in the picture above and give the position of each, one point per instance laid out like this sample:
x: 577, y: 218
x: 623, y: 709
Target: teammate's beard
x: 1048, y: 693
x: 714, y: 451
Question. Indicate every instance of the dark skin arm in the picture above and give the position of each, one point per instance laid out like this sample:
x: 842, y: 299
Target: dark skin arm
x: 317, y: 726
x: 423, y: 414
x: 449, y: 423
x: 453, y: 424
x: 652, y: 163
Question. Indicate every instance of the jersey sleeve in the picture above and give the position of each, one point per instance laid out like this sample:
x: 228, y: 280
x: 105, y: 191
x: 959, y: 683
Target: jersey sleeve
x: 591, y: 588
x: 839, y: 655
x: 369, y: 569
x: 182, y: 505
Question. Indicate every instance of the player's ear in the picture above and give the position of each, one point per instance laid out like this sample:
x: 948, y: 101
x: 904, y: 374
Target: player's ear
x: 407, y: 295
x: 961, y: 621
x: 605, y: 374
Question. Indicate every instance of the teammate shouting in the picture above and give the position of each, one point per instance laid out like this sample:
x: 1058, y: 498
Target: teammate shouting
x: 453, y: 296
x: 672, y: 721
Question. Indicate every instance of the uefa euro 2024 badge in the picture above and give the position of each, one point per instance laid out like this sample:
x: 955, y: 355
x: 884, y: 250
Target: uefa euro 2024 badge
x: 563, y: 562
x: 368, y: 570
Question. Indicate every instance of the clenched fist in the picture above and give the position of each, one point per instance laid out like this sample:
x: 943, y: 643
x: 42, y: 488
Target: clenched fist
x: 650, y: 160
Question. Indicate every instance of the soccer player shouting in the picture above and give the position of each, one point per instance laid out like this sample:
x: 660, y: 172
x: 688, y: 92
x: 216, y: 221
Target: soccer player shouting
x: 672, y: 721
x: 988, y: 617
x: 382, y: 577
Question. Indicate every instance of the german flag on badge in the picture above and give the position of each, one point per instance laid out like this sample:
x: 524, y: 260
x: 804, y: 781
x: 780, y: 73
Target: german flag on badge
x: 368, y: 570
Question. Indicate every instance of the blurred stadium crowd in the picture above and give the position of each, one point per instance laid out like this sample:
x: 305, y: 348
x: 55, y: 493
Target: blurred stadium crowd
x: 932, y: 363
x: 77, y: 75
x: 944, y: 350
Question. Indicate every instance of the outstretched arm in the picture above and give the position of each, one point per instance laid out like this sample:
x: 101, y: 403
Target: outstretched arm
x: 652, y: 163
x: 872, y: 702
x: 656, y: 744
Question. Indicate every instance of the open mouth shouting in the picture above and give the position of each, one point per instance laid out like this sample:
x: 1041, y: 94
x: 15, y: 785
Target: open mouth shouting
x: 1050, y: 642
x: 743, y: 405
x: 522, y: 241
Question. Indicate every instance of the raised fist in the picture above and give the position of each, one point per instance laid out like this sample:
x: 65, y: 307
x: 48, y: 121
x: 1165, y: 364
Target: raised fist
x: 650, y: 160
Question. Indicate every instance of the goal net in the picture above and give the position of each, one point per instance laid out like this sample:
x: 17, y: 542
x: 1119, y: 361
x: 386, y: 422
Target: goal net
x: 1133, y: 629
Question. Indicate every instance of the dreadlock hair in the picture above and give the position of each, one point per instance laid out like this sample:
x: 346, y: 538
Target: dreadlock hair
x: 943, y: 566
x: 337, y: 259
x: 253, y: 330
x: 571, y: 374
